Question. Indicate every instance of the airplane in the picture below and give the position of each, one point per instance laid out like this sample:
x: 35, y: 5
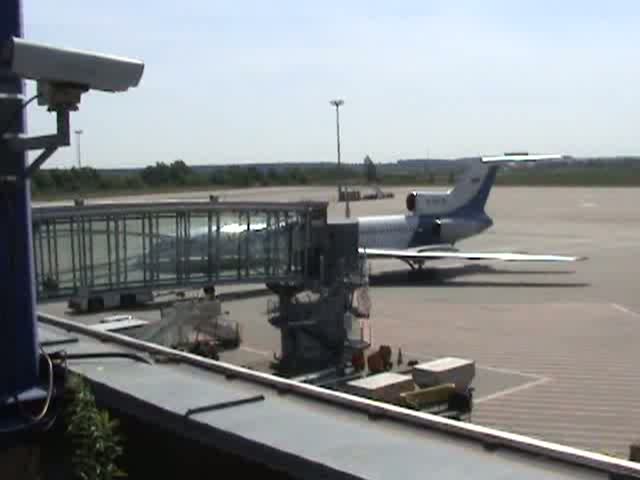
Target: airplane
x: 436, y: 221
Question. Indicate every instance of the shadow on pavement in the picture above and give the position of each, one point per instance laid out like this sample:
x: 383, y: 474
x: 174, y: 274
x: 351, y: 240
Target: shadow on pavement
x: 450, y: 277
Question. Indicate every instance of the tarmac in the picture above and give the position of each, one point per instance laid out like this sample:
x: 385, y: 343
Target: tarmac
x: 555, y: 344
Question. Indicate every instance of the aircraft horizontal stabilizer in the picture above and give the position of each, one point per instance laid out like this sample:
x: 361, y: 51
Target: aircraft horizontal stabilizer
x: 443, y: 254
x: 519, y: 157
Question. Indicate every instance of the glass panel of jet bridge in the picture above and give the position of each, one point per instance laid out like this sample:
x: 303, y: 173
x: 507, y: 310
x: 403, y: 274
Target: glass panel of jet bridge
x: 120, y: 247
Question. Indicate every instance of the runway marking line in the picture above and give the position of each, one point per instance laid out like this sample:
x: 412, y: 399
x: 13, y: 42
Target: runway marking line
x: 509, y: 371
x: 623, y: 309
x: 538, y: 379
x: 512, y: 372
x: 256, y: 351
x: 509, y: 391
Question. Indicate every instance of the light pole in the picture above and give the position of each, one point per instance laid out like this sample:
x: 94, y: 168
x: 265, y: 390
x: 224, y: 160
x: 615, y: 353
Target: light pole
x: 338, y: 103
x: 78, y: 133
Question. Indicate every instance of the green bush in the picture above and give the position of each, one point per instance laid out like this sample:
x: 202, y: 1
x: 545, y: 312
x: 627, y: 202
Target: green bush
x: 93, y: 436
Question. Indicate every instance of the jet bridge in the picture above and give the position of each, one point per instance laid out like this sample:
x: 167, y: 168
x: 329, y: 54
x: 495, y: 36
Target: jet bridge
x: 121, y: 248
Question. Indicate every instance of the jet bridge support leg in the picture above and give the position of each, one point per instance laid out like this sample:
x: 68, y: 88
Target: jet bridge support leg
x: 319, y: 331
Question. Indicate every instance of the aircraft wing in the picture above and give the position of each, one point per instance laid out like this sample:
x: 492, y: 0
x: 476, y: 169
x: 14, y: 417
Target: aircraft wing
x: 443, y: 254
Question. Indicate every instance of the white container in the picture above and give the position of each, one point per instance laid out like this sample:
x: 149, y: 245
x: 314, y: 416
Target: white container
x: 386, y: 386
x: 458, y: 371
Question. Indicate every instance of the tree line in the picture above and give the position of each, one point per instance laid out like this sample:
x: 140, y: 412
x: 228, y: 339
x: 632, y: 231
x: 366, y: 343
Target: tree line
x: 178, y: 174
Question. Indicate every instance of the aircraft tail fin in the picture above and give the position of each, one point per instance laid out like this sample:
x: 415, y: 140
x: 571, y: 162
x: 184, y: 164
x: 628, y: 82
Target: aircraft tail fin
x: 472, y: 189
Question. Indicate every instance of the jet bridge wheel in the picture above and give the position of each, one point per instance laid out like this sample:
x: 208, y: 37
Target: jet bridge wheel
x: 95, y: 304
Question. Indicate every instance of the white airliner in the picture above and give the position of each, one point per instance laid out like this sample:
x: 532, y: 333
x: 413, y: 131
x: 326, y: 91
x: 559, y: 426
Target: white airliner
x: 435, y: 222
x: 438, y: 220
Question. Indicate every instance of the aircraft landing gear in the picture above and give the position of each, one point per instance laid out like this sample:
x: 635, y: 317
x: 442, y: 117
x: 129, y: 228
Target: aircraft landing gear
x: 417, y: 272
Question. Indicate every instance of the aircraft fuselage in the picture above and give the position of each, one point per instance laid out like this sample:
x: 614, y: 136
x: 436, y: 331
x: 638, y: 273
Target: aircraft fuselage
x: 414, y: 231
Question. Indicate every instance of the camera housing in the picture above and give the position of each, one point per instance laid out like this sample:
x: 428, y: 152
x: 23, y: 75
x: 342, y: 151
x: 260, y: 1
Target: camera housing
x: 62, y: 76
x: 64, y: 67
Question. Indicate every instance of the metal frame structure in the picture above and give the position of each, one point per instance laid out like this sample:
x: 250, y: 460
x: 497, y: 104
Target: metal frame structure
x: 118, y: 247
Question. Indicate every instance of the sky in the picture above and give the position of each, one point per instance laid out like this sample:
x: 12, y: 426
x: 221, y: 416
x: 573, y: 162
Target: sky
x: 250, y: 81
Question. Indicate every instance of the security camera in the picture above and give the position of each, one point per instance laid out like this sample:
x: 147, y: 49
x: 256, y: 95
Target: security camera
x: 62, y: 76
x: 69, y: 67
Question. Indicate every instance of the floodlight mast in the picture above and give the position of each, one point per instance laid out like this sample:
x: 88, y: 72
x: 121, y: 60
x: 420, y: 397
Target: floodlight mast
x: 338, y: 102
x: 78, y: 133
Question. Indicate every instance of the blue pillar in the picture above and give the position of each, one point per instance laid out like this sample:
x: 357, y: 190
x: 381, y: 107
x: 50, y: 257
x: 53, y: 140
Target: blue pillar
x: 18, y: 342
